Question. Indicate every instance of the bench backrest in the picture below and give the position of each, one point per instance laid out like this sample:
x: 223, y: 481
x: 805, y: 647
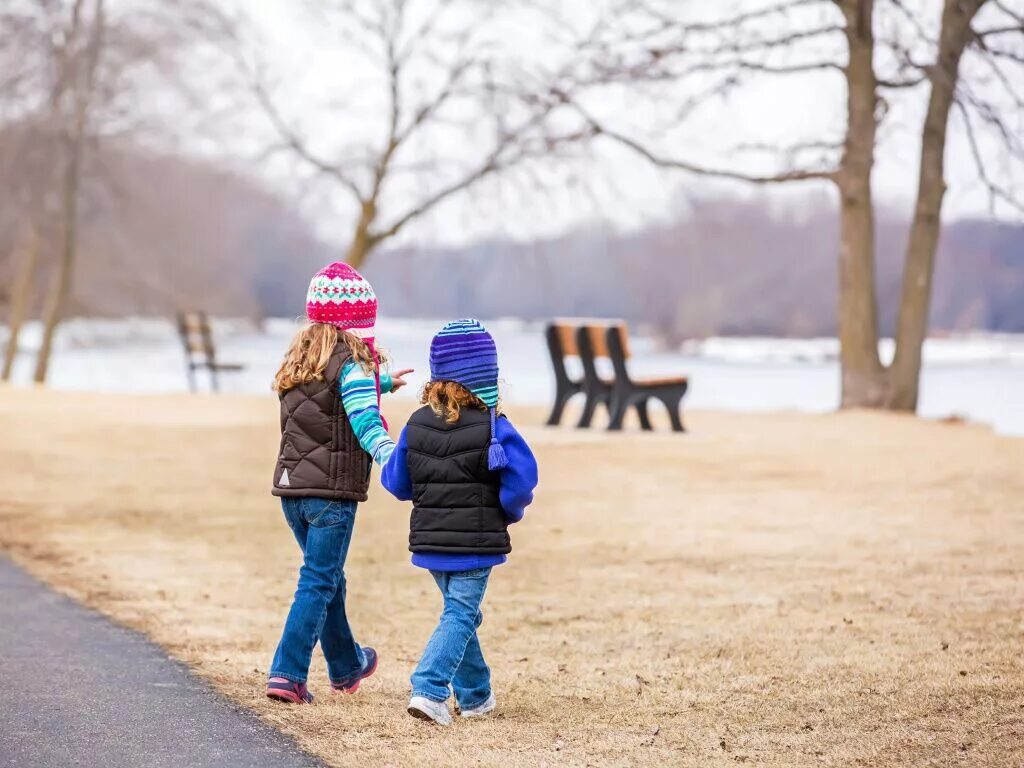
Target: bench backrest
x: 561, y: 345
x: 616, y: 339
x: 196, y: 336
x: 567, y: 332
x: 586, y: 339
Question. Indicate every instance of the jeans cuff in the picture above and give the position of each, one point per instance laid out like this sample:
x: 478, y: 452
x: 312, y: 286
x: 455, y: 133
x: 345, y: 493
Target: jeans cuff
x: 348, y: 679
x: 286, y: 676
x: 429, y: 696
x: 476, y: 704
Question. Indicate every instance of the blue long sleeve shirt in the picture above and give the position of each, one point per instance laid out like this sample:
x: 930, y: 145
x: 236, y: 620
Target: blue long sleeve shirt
x: 517, y: 483
x: 359, y: 395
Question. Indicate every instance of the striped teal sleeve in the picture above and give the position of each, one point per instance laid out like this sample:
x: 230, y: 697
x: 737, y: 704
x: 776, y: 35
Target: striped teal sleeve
x: 359, y: 396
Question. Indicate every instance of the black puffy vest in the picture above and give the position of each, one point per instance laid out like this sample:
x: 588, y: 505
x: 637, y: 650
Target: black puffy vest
x: 320, y: 454
x: 455, y: 496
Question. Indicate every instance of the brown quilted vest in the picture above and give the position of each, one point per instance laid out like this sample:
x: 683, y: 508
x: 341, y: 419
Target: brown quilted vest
x: 320, y: 455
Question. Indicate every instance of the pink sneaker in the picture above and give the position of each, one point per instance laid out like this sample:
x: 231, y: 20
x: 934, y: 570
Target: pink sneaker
x: 280, y: 689
x: 369, y: 667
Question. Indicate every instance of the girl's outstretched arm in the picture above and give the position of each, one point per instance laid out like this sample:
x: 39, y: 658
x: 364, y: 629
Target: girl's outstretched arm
x: 359, y: 396
x: 395, y: 474
x: 519, y: 478
x: 392, y: 382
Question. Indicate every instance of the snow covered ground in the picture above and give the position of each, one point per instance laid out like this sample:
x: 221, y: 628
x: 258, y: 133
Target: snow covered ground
x: 979, y: 377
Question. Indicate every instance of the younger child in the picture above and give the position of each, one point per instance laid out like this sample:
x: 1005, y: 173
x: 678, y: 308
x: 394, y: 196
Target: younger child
x: 469, y: 475
x: 331, y: 432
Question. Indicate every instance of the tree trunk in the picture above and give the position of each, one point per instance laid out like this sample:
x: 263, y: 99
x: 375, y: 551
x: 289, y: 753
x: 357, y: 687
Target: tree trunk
x: 60, y: 282
x: 73, y: 140
x: 356, y: 254
x: 919, y: 266
x: 363, y: 240
x: 863, y: 377
x: 21, y: 293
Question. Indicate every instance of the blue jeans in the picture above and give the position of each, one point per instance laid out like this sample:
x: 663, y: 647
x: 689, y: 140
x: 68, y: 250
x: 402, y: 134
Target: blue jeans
x: 453, y: 654
x: 323, y: 529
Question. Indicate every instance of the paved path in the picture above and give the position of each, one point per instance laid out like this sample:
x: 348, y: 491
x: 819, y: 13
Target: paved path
x: 81, y: 691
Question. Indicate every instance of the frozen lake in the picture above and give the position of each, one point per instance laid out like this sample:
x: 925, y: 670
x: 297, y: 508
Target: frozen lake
x: 980, y: 378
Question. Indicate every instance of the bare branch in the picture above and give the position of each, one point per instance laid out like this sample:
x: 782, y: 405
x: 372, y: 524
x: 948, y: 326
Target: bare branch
x: 792, y: 149
x: 297, y: 144
x: 731, y: 23
x: 753, y: 45
x: 785, y: 69
x: 912, y: 18
x: 700, y: 170
x: 1017, y: 15
x: 991, y: 116
x: 423, y: 32
x: 993, y: 32
x: 910, y: 82
x: 992, y: 61
x: 493, y: 164
x: 391, y: 34
x: 995, y: 191
x: 431, y: 107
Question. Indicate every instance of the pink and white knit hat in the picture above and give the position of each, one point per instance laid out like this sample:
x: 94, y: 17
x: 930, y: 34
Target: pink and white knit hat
x: 341, y: 296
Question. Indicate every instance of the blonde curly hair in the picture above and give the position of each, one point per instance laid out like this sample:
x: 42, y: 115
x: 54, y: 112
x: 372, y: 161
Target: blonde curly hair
x: 310, y: 351
x: 448, y: 398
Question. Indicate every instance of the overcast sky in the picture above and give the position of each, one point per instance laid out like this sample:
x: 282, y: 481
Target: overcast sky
x: 332, y: 95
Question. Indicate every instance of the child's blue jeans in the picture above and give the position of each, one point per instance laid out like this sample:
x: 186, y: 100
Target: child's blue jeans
x: 323, y: 529
x: 453, y: 654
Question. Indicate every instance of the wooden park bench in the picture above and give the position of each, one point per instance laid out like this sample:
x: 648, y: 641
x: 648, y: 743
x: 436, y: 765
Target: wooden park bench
x: 200, y: 353
x: 594, y: 340
x: 561, y: 338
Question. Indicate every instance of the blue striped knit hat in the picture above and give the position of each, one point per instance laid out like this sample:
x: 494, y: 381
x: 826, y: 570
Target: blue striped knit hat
x: 464, y: 352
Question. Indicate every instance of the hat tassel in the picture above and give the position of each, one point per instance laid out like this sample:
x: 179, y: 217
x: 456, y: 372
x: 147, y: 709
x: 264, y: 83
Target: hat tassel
x: 496, y: 458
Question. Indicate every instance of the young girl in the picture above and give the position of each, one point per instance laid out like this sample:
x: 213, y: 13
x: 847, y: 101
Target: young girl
x: 331, y: 428
x: 469, y: 475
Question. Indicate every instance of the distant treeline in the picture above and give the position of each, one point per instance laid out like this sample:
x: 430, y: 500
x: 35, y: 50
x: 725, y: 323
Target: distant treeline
x: 728, y: 267
x: 160, y: 233
x: 164, y: 234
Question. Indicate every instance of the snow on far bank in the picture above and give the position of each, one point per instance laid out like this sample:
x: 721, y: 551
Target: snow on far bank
x: 977, y: 376
x: 957, y: 349
x: 954, y: 349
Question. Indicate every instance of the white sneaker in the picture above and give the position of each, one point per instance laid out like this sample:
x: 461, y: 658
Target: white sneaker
x: 481, y: 709
x: 425, y: 709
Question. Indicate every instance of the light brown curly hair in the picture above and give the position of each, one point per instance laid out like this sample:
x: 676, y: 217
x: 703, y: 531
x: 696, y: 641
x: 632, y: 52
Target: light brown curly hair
x: 310, y: 351
x: 447, y: 399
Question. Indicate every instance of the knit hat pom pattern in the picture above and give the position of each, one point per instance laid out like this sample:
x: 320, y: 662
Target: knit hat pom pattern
x: 340, y: 296
x: 464, y: 352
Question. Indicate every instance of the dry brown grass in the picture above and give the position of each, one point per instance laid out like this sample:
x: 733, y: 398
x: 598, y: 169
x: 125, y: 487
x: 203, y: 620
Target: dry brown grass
x: 772, y: 590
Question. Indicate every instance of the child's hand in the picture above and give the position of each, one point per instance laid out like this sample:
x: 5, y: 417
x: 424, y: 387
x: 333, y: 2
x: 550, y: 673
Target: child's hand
x: 397, y: 378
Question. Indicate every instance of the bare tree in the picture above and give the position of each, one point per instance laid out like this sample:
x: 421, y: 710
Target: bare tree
x: 20, y: 294
x: 440, y: 71
x: 76, y: 75
x: 72, y: 102
x: 801, y: 36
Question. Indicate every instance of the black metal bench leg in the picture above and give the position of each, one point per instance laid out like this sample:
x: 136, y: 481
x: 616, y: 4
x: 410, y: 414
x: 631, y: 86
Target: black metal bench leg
x: 641, y: 411
x: 191, y: 378
x: 674, y: 406
x: 589, y: 409
x: 617, y: 409
x: 561, y: 398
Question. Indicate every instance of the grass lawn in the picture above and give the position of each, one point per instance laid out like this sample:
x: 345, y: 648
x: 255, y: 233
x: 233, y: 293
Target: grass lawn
x: 773, y: 590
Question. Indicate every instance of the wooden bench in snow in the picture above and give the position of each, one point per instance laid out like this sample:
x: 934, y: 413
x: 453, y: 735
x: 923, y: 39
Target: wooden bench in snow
x: 200, y: 353
x: 590, y: 341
